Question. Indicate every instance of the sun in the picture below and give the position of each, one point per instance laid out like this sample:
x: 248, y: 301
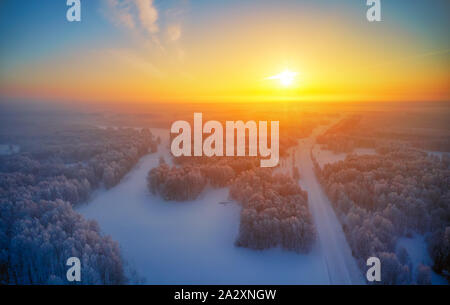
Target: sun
x: 286, y: 78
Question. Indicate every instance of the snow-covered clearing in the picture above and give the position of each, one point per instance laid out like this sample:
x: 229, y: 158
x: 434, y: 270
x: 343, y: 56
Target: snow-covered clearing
x: 336, y: 253
x: 8, y: 149
x: 417, y: 251
x: 192, y: 242
x: 324, y: 156
x: 438, y: 154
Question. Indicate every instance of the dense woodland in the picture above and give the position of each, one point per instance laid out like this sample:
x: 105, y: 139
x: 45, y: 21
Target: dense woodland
x: 39, y: 186
x: 274, y: 212
x: 383, y: 129
x: 397, y: 192
x: 188, y: 179
x: 274, y: 208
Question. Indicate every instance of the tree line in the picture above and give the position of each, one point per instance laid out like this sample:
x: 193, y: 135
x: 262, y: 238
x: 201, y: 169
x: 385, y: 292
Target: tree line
x: 382, y: 197
x: 39, y: 229
x: 274, y: 208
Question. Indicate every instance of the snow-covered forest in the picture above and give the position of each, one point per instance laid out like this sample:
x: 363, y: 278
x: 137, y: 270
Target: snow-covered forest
x: 40, y: 185
x: 187, y: 180
x: 423, y: 131
x: 395, y: 193
x: 386, y: 193
x: 274, y: 208
x: 274, y: 212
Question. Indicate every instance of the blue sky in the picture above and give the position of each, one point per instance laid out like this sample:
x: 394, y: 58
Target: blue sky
x: 32, y: 31
x: 35, y: 26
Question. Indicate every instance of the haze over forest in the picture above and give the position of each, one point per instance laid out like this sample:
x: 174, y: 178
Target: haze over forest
x: 87, y: 170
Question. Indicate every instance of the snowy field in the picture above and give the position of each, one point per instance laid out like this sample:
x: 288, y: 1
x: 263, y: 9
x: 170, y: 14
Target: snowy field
x: 438, y: 154
x: 324, y: 156
x: 8, y: 149
x: 191, y: 242
x: 417, y: 251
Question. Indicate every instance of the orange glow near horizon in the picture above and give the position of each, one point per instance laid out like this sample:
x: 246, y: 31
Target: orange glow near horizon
x: 243, y: 60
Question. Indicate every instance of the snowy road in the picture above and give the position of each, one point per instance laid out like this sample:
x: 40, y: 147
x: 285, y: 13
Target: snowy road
x: 193, y: 242
x: 337, y: 257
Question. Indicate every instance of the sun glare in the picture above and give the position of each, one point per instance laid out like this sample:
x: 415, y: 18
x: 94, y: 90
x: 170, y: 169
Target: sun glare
x: 286, y: 78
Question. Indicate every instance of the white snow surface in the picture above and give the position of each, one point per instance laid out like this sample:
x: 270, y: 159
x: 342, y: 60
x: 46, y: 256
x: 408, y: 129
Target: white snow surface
x: 417, y: 251
x: 324, y: 156
x: 8, y: 149
x: 336, y: 254
x: 193, y: 242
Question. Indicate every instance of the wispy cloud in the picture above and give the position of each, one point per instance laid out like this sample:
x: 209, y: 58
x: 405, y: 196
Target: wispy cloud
x: 119, y: 12
x: 143, y: 18
x: 156, y: 32
x: 148, y: 15
x: 174, y: 32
